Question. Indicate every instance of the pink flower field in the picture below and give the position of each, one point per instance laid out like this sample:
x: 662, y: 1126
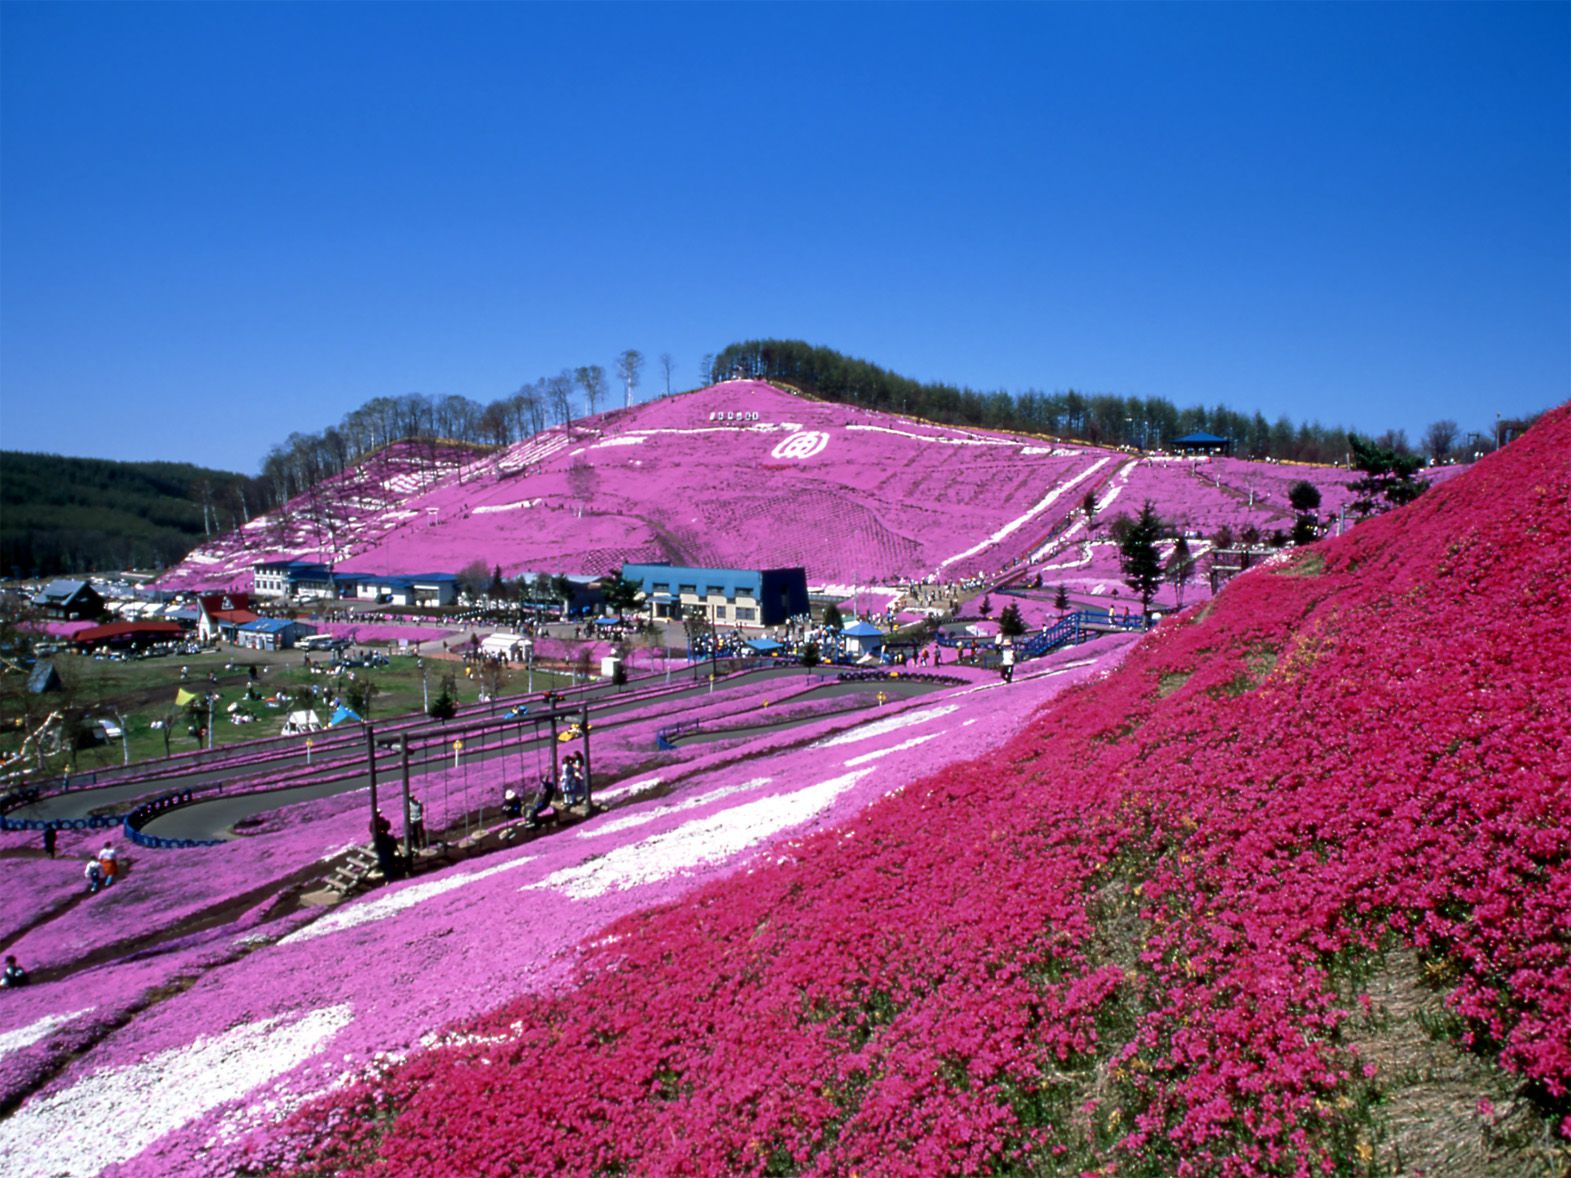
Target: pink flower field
x: 294, y: 1003
x: 1282, y: 887
x: 735, y: 475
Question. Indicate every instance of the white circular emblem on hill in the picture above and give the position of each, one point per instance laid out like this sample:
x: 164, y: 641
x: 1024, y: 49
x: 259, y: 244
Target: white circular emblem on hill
x: 802, y: 445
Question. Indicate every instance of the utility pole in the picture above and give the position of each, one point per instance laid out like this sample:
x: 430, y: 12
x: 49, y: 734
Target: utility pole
x: 589, y: 807
x: 370, y: 765
x: 403, y: 747
x: 550, y: 703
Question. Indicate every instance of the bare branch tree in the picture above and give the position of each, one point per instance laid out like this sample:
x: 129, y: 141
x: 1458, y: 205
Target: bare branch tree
x: 628, y: 365
x: 667, y: 366
x: 1440, y: 439
x: 559, y: 392
x: 591, y: 378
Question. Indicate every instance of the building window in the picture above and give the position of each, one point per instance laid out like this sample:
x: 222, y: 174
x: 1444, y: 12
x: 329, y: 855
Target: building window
x: 690, y: 590
x: 660, y: 587
x: 719, y: 612
x: 744, y: 614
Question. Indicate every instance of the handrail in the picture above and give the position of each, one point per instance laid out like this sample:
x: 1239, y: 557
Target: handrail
x: 139, y: 816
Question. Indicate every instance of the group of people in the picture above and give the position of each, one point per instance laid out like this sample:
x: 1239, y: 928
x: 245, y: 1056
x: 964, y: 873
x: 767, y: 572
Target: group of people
x: 102, y: 869
x: 573, y: 788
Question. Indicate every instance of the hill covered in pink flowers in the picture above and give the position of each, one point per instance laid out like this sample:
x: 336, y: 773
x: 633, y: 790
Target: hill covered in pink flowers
x: 1279, y: 888
x: 742, y: 474
x: 1287, y: 893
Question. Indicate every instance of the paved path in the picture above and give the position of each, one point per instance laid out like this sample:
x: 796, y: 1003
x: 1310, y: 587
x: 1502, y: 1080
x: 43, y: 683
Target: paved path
x: 217, y: 816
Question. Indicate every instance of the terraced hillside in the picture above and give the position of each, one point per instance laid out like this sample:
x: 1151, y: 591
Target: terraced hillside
x: 740, y: 474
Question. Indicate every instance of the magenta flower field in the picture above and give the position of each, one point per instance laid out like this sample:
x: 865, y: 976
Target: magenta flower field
x: 854, y: 496
x: 1281, y: 887
x: 1143, y: 935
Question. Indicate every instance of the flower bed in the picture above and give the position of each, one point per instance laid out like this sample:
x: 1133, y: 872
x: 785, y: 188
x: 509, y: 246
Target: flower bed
x: 1122, y: 942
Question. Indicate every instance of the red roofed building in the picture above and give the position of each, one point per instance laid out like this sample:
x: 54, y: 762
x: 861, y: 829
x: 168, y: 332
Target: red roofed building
x: 123, y: 634
x: 220, y: 608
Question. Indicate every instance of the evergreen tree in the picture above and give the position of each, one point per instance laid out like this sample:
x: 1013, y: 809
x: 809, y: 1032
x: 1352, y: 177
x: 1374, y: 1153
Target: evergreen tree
x: 1304, y: 497
x: 1061, y: 599
x: 832, y: 618
x: 445, y: 705
x: 1010, y: 624
x: 1388, y: 471
x: 1138, y: 555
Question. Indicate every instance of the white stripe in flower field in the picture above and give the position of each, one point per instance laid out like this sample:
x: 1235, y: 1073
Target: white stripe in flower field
x: 1020, y: 521
x: 853, y: 762
x: 392, y: 903
x: 605, y: 795
x: 713, y: 838
x: 632, y: 820
x: 883, y: 727
x: 114, y: 1114
x: 33, y: 1032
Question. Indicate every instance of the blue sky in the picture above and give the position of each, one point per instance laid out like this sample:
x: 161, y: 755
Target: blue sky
x: 220, y: 223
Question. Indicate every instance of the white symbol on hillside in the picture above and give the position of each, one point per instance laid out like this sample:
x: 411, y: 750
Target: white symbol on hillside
x: 802, y: 445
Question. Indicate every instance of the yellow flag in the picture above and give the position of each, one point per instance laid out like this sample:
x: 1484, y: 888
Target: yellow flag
x: 183, y: 697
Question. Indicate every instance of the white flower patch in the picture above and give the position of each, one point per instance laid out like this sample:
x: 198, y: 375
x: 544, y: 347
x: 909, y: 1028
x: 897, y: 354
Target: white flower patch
x: 1020, y: 521
x: 894, y: 748
x: 522, y: 503
x: 605, y: 795
x: 114, y: 1114
x: 880, y: 727
x: 394, y: 903
x: 711, y: 839
x: 32, y: 1033
x: 624, y: 440
x: 399, y: 514
x: 941, y: 439
x: 639, y: 819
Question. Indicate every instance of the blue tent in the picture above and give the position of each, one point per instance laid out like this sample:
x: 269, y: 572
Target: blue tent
x: 340, y: 714
x: 764, y: 645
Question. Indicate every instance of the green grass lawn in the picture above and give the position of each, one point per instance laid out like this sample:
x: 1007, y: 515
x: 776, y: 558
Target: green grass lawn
x: 143, y: 692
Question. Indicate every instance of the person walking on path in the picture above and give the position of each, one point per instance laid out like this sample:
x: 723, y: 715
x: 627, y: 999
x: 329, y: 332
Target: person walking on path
x: 108, y: 864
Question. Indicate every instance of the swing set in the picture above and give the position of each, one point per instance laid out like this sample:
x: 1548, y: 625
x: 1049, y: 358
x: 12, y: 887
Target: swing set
x: 474, y: 738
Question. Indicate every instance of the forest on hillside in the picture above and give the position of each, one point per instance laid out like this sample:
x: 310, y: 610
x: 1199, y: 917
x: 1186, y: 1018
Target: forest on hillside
x: 79, y: 515
x: 1103, y: 419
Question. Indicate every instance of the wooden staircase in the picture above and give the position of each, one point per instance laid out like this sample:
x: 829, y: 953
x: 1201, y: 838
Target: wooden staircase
x: 354, y: 873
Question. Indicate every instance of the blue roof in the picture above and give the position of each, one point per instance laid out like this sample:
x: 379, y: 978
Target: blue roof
x: 1200, y: 438
x: 406, y: 580
x: 268, y: 625
x: 862, y: 630
x: 729, y: 581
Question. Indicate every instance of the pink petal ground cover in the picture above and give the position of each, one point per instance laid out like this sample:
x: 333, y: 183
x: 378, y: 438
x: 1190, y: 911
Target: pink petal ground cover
x: 383, y: 973
x: 356, y: 632
x: 1118, y: 942
x: 733, y: 475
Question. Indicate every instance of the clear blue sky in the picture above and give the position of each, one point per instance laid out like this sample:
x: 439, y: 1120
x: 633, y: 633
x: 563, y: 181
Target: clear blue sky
x: 224, y: 222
